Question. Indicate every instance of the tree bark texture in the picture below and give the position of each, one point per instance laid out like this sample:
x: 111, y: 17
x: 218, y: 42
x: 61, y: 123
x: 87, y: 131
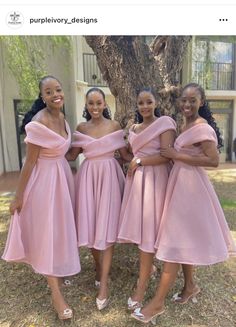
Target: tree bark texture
x: 128, y: 64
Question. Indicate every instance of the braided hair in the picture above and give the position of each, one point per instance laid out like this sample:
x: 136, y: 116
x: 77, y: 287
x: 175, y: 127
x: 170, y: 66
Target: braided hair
x: 38, y: 104
x: 106, y: 112
x: 205, y: 112
x: 138, y: 117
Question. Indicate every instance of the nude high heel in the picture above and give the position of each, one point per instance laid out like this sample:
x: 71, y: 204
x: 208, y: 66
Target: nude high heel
x: 101, y: 304
x: 178, y: 299
x: 140, y: 317
x: 132, y: 305
x: 66, y: 314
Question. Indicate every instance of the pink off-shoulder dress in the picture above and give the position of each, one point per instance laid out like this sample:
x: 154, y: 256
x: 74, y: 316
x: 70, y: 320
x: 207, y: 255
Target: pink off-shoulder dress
x: 145, y: 191
x: 193, y: 228
x: 99, y: 190
x: 43, y: 234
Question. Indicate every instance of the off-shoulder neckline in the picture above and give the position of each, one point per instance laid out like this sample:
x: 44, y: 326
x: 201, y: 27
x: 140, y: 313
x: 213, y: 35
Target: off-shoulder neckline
x: 193, y: 127
x: 66, y: 129
x: 98, y: 138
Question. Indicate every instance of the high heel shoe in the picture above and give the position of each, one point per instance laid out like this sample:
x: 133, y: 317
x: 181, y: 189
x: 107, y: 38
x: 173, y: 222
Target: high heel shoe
x: 101, y: 304
x: 66, y: 283
x: 179, y: 299
x: 97, y: 283
x: 140, y: 317
x: 132, y: 305
x: 66, y: 314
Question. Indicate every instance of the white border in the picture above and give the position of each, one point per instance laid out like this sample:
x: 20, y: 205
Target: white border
x: 125, y: 20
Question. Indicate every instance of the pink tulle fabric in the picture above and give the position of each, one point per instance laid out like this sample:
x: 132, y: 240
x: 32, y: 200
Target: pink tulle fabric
x: 99, y: 190
x: 193, y: 229
x: 144, y: 193
x: 43, y: 234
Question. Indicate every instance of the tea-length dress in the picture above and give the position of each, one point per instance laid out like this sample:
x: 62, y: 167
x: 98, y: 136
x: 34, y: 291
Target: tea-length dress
x: 193, y: 228
x: 145, y: 191
x: 43, y: 234
x: 99, y: 190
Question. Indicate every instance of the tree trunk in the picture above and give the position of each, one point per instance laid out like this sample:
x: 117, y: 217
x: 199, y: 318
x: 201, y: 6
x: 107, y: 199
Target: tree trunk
x: 128, y: 64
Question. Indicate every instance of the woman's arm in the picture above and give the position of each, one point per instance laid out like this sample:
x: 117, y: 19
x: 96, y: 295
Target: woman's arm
x: 125, y: 154
x: 209, y: 158
x: 167, y: 139
x: 73, y: 153
x: 32, y: 153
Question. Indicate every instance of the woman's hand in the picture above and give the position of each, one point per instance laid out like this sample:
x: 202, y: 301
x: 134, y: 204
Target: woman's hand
x: 169, y: 152
x: 132, y: 167
x: 16, y: 204
x: 73, y: 153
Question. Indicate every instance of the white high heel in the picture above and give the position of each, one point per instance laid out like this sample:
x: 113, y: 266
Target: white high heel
x: 132, y: 305
x: 101, y: 304
x: 178, y: 299
x: 140, y: 317
x: 66, y: 314
x: 66, y: 282
x: 97, y: 283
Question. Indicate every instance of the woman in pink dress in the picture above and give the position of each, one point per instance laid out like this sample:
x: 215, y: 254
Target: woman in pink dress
x: 99, y: 185
x: 145, y: 186
x: 42, y: 231
x: 193, y: 228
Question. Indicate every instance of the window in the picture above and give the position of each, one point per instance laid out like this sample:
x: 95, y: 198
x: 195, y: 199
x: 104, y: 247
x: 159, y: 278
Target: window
x: 212, y: 64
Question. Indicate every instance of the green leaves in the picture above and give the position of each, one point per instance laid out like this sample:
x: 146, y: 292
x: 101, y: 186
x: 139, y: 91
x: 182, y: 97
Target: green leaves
x: 27, y: 56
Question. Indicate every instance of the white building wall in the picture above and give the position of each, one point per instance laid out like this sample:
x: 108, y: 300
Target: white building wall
x: 85, y: 47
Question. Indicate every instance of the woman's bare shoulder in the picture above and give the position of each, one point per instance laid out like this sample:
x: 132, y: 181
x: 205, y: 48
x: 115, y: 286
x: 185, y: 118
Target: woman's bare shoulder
x: 82, y: 127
